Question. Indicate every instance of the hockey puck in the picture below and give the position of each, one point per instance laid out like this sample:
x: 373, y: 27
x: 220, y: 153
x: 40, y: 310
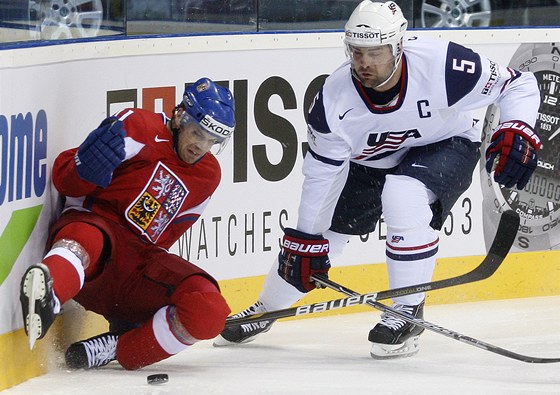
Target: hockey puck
x: 158, y: 378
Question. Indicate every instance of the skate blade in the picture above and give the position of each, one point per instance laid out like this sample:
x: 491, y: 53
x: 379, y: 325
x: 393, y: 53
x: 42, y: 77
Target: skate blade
x: 221, y: 342
x: 390, y: 351
x: 34, y: 289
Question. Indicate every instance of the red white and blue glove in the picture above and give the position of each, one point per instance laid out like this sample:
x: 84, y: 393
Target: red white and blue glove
x: 301, y: 256
x: 101, y: 152
x: 513, y: 152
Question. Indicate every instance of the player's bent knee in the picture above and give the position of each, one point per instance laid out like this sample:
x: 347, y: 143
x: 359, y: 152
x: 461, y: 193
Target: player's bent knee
x: 202, y: 314
x: 406, y: 210
x: 82, y: 239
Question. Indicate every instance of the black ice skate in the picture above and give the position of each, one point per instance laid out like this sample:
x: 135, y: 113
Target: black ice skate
x: 245, y: 333
x: 94, y: 352
x: 37, y: 302
x: 393, y: 337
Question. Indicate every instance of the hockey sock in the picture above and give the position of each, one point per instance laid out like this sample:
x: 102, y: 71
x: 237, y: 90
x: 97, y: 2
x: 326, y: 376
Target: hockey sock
x: 74, y: 255
x: 198, y: 312
x: 148, y: 344
x: 278, y: 294
x: 67, y: 274
x: 412, y: 244
x: 411, y: 263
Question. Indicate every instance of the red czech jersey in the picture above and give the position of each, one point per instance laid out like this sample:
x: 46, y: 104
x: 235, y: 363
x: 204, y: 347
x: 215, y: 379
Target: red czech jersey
x: 153, y: 192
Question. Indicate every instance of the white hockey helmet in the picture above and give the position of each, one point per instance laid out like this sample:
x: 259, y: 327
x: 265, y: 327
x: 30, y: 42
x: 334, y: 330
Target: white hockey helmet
x: 374, y: 24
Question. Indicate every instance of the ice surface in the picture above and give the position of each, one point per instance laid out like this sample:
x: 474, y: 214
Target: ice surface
x: 330, y: 355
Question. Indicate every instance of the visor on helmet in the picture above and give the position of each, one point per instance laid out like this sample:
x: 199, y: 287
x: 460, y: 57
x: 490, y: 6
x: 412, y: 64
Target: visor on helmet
x: 379, y: 55
x: 209, y: 134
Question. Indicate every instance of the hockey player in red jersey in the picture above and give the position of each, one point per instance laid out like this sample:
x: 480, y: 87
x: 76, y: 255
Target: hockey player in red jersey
x: 131, y: 189
x: 391, y: 131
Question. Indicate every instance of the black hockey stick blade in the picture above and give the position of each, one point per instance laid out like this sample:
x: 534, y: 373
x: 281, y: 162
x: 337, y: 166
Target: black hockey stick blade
x: 505, y: 235
x: 438, y: 329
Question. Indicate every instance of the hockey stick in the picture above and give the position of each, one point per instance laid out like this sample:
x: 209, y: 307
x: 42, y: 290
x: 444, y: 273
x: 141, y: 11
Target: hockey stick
x: 435, y: 328
x: 505, y: 235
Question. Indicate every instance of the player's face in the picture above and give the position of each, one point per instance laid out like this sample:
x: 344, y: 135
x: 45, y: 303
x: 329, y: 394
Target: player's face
x: 193, y: 142
x: 373, y: 65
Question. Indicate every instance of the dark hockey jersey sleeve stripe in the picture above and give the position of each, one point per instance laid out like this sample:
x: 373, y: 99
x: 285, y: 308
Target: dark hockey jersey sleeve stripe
x: 463, y: 69
x: 324, y: 159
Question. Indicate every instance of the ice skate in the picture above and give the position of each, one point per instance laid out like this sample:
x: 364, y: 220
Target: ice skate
x: 393, y: 337
x: 37, y: 302
x: 94, y: 352
x: 245, y: 333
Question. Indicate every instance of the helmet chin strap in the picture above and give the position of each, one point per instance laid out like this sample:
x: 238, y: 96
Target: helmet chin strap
x: 175, y: 130
x: 395, y: 67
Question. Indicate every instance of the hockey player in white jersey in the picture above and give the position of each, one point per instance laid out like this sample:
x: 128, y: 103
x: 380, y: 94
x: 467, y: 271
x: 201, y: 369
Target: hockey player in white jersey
x: 391, y: 133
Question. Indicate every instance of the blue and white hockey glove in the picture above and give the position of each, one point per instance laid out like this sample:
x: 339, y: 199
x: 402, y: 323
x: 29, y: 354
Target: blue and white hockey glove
x: 101, y: 152
x: 513, y: 152
x: 301, y: 256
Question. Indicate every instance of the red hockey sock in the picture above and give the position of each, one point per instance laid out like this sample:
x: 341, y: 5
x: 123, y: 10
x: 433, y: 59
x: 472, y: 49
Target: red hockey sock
x: 139, y: 348
x: 65, y: 267
x: 66, y: 280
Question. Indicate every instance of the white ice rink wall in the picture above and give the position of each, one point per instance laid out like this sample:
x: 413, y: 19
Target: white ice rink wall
x: 52, y: 95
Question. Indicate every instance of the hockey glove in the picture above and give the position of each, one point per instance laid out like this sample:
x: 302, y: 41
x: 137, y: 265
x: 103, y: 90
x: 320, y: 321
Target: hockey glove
x: 101, y: 152
x: 513, y: 150
x: 301, y: 256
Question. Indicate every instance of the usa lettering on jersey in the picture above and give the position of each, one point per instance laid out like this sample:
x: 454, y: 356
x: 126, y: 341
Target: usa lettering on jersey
x: 383, y: 144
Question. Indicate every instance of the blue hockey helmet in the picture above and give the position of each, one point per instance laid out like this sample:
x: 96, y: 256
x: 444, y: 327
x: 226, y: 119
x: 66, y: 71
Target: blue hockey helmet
x: 212, y: 107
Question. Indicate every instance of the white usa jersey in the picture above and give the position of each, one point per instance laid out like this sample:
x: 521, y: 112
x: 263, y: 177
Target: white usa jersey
x: 441, y: 83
